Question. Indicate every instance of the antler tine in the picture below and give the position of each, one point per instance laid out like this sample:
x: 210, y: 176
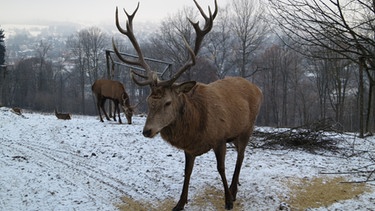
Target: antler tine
x: 200, y: 33
x: 130, y: 17
x: 207, y: 26
x: 150, y: 77
x: 188, y: 64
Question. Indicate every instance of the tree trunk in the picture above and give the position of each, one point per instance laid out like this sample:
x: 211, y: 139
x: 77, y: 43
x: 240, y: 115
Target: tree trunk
x: 361, y: 89
x: 370, y: 110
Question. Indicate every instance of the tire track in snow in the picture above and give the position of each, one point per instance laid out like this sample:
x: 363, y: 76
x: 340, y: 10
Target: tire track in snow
x: 72, y: 164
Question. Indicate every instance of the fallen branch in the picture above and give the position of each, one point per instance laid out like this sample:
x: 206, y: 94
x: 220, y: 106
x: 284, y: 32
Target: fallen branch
x: 368, y: 177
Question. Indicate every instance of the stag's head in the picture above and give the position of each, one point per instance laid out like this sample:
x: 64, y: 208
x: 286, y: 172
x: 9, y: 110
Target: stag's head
x: 128, y: 113
x: 128, y: 110
x: 164, y: 101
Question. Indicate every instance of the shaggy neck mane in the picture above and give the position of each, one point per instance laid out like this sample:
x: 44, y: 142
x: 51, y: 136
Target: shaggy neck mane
x: 191, y: 120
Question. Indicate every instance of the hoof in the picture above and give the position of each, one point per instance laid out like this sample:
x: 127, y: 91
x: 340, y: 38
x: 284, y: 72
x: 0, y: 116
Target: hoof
x: 177, y: 208
x: 229, y: 206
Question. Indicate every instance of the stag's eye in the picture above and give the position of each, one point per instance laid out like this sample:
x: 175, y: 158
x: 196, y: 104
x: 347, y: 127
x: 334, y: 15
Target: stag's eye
x: 167, y: 104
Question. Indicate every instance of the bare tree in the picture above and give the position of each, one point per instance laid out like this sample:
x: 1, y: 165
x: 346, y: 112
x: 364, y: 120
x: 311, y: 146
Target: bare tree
x: 289, y: 93
x: 87, y: 47
x: 2, y: 49
x: 43, y: 74
x: 173, y: 29
x: 168, y: 45
x: 250, y: 29
x: 23, y: 89
x: 220, y: 44
x: 93, y: 41
x: 77, y: 51
x: 343, y: 26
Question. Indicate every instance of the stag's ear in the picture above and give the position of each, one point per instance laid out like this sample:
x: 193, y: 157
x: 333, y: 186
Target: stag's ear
x: 184, y: 87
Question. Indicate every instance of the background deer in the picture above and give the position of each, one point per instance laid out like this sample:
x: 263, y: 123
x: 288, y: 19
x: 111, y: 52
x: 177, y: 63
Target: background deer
x: 197, y: 117
x: 114, y: 90
x: 17, y: 110
x: 64, y: 116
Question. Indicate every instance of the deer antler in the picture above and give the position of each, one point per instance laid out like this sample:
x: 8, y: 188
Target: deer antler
x: 151, y: 77
x: 140, y: 61
x: 207, y: 27
x: 200, y: 33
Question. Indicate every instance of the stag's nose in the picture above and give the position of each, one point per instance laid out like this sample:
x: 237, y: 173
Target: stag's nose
x: 147, y: 133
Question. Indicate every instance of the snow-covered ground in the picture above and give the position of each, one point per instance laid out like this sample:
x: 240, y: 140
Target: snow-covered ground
x: 82, y: 164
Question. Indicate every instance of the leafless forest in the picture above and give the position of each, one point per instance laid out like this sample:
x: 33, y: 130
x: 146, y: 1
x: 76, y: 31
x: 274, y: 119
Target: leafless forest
x: 314, y: 61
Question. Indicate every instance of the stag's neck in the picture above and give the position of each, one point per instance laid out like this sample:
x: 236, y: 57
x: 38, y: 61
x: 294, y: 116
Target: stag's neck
x: 127, y: 101
x: 191, y: 121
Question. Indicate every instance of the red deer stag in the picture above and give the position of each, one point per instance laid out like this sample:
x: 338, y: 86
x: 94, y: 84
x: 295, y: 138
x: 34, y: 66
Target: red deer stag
x: 114, y: 90
x: 197, y: 117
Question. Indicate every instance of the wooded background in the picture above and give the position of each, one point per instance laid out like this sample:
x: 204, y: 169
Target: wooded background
x: 313, y: 60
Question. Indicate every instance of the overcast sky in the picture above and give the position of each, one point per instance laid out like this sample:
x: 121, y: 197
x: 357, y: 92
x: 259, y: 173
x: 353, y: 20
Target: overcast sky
x: 89, y: 11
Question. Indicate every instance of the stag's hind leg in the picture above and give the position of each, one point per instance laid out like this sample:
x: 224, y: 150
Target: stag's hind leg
x: 220, y: 152
x: 100, y: 112
x: 240, y: 144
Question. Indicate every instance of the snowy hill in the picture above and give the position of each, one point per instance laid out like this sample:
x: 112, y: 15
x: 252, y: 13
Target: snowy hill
x: 83, y: 164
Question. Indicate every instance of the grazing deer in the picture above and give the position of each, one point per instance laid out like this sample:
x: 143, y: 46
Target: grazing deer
x: 114, y: 90
x: 64, y: 116
x: 197, y: 117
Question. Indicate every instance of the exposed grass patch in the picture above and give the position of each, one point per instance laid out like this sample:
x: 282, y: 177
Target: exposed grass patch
x: 322, y: 192
x: 211, y: 198
x: 131, y: 204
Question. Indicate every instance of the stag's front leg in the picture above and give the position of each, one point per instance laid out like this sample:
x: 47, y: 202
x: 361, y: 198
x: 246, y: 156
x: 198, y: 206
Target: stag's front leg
x: 189, y: 163
x: 118, y: 113
x: 115, y: 109
x: 220, y: 152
